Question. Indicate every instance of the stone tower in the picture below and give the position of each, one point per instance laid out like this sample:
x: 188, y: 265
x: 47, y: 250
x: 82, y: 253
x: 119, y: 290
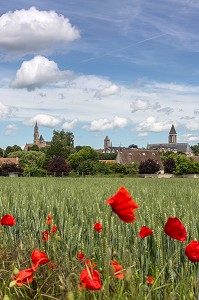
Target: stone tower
x: 107, y: 143
x: 36, y: 134
x: 172, y: 135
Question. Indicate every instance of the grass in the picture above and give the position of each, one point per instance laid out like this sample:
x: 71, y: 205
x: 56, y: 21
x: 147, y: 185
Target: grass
x: 76, y: 204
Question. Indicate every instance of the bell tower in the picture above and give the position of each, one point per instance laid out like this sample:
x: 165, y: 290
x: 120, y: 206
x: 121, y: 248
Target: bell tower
x: 36, y: 134
x: 172, y: 135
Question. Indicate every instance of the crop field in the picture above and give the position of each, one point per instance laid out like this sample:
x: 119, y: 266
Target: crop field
x: 74, y: 206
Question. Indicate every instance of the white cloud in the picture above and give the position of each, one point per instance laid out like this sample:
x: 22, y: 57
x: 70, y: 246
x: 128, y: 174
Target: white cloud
x: 107, y: 91
x: 188, y: 138
x: 11, y: 129
x: 105, y: 124
x: 69, y: 125
x: 37, y: 72
x: 44, y: 120
x: 5, y: 111
x: 192, y: 125
x: 139, y: 104
x: 150, y: 124
x: 31, y: 31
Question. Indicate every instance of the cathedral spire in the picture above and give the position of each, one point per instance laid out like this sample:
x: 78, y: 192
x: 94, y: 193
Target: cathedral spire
x: 36, y: 134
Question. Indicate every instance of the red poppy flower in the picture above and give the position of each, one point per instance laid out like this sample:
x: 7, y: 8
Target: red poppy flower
x: 54, y: 229
x: 175, y: 229
x: 123, y: 205
x: 49, y: 219
x: 98, y: 227
x: 38, y: 258
x: 8, y: 220
x: 150, y: 280
x: 192, y: 251
x: 118, y: 269
x: 144, y: 232
x: 24, y: 277
x: 90, y: 279
x: 80, y: 256
x: 45, y: 235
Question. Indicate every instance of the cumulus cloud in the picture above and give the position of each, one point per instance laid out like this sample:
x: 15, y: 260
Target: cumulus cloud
x: 31, y: 31
x: 107, y: 91
x: 166, y: 110
x: 142, y: 105
x: 11, y: 129
x: 105, y: 124
x: 44, y: 120
x: 37, y: 72
x: 188, y: 138
x: 5, y: 111
x: 192, y: 125
x: 69, y: 125
x: 150, y: 124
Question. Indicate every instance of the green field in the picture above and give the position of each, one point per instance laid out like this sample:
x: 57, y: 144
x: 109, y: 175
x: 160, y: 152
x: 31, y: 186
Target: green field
x: 76, y: 204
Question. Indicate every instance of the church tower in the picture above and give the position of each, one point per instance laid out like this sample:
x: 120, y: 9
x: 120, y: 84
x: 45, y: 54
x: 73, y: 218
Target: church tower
x: 36, y: 134
x: 172, y: 135
x: 107, y: 143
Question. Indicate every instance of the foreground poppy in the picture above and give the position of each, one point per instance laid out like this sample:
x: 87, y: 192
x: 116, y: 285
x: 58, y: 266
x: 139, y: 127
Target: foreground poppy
x: 38, y: 258
x: 90, y: 279
x: 49, y: 219
x: 8, y: 220
x: 98, y: 227
x: 54, y: 229
x: 24, y: 277
x: 144, y: 232
x: 150, y: 280
x: 123, y: 205
x: 192, y: 251
x: 118, y: 273
x: 175, y: 229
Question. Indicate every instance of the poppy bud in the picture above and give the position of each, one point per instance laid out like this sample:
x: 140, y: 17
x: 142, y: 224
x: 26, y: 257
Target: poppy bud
x: 191, y: 295
x: 58, y: 237
x: 70, y: 296
x: 15, y: 271
x: 6, y: 297
x: 12, y: 283
x: 114, y: 253
x: 128, y: 275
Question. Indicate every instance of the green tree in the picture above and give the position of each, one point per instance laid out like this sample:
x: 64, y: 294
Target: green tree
x: 34, y: 148
x: 29, y: 159
x: 107, y: 156
x: 86, y: 153
x: 87, y: 167
x: 10, y: 149
x: 62, y: 144
x: 1, y: 152
x: 195, y: 149
x: 117, y: 168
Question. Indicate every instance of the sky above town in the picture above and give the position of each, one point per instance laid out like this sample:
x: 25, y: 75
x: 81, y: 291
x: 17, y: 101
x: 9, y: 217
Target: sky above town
x: 127, y: 69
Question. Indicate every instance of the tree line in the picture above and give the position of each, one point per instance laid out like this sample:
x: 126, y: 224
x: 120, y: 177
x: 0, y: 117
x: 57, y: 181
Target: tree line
x: 62, y: 158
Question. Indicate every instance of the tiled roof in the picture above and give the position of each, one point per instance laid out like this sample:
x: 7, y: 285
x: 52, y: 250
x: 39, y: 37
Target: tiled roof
x: 127, y: 157
x: 14, y: 160
x: 179, y: 147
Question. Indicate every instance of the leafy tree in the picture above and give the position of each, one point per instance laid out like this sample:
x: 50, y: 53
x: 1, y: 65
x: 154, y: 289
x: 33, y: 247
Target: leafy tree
x: 31, y: 159
x: 86, y: 153
x: 132, y: 169
x: 1, y: 152
x: 10, y: 149
x: 117, y: 168
x: 62, y: 144
x: 7, y: 168
x: 169, y: 165
x: 185, y: 165
x: 87, y: 167
x: 107, y: 156
x: 150, y: 166
x: 195, y: 149
x: 102, y: 167
x: 34, y: 148
x: 59, y: 166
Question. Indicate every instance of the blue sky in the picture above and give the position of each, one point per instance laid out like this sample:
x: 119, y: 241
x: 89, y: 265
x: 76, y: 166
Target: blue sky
x: 126, y: 69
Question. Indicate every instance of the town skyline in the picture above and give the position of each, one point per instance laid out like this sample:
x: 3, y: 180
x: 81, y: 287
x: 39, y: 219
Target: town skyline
x: 127, y: 71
